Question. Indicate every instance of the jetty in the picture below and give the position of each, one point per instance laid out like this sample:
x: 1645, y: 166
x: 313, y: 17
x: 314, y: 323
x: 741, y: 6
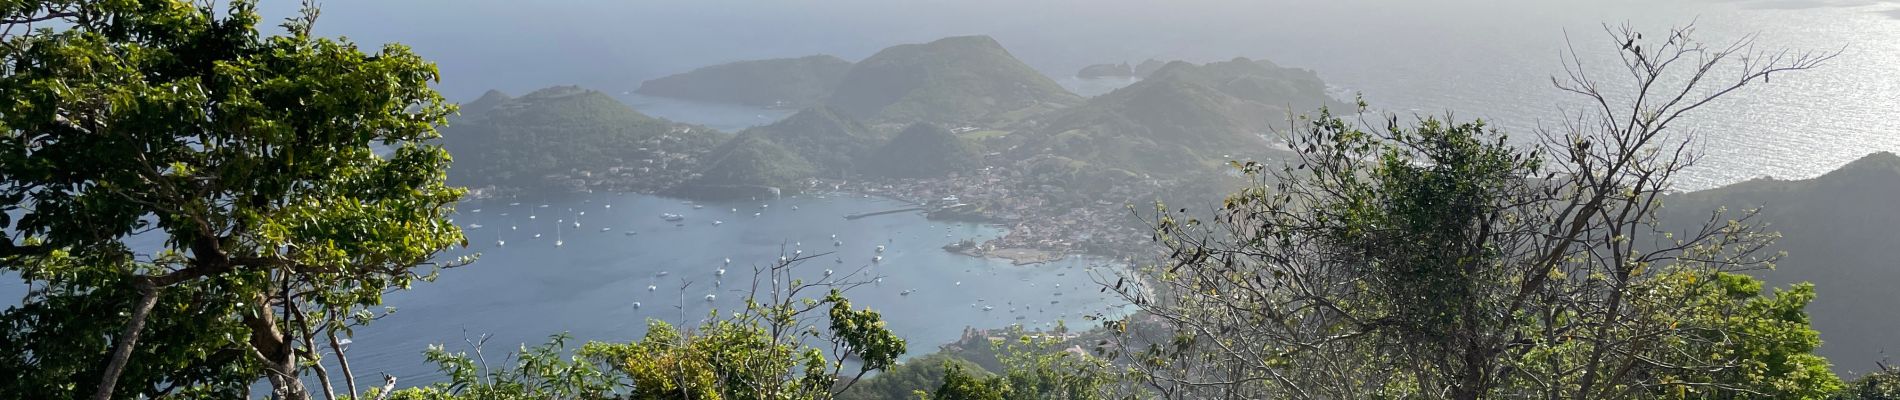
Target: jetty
x: 873, y: 214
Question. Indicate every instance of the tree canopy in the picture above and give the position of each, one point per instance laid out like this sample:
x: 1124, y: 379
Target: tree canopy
x: 281, y: 185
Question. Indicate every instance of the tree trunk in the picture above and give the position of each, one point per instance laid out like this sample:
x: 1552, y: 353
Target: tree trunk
x: 122, y: 351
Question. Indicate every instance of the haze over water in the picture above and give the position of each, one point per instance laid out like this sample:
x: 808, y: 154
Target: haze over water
x: 1490, y: 60
x: 1479, y: 59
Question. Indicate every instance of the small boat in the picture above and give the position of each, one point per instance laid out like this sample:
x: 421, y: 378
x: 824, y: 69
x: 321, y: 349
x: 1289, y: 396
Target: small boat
x: 709, y: 298
x: 827, y: 272
x: 606, y: 229
x: 720, y: 272
x: 728, y: 261
x: 475, y: 226
x: 794, y: 208
x: 631, y: 233
x: 530, y: 217
x: 907, y: 292
x: 987, y: 308
x: 670, y: 217
x: 500, y: 243
x: 877, y: 258
x: 514, y: 228
x: 476, y: 210
x: 717, y: 222
x: 544, y: 206
x: 756, y: 215
x: 636, y: 305
x: 537, y: 236
x: 836, y: 243
x: 880, y: 248
x: 514, y: 204
x: 959, y: 283
x: 662, y: 273
x: 653, y: 287
x: 610, y: 206
x: 696, y: 206
x: 735, y: 210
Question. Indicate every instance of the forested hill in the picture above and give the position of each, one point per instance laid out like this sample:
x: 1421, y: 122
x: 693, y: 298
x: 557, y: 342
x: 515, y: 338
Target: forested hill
x: 1185, y: 119
x: 562, y: 137
x: 1837, y: 230
x: 953, y: 81
x: 782, y: 82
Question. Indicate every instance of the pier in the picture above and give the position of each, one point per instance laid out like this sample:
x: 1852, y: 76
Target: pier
x: 873, y: 214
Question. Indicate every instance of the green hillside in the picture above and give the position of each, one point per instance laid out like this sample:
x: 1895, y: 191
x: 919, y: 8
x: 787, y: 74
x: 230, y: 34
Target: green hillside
x: 1831, y: 226
x: 546, y: 138
x: 1185, y: 119
x: 921, y: 151
x: 952, y: 81
x: 831, y: 141
x: 775, y: 82
x: 753, y: 159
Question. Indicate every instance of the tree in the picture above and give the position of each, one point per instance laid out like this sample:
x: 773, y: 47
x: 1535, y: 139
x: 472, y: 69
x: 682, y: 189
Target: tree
x: 195, y: 205
x: 1442, y: 260
x: 785, y: 345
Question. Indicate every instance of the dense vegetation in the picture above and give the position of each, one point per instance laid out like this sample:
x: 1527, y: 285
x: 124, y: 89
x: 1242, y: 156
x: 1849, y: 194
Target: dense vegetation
x: 554, y: 137
x: 782, y: 82
x: 294, y: 180
x: 1827, y: 223
x: 923, y: 150
x: 271, y: 226
x: 952, y: 81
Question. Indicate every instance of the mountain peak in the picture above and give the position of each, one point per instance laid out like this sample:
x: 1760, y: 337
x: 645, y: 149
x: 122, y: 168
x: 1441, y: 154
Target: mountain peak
x: 955, y: 80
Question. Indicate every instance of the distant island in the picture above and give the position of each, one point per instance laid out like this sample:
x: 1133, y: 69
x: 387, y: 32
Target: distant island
x: 782, y: 82
x: 957, y: 124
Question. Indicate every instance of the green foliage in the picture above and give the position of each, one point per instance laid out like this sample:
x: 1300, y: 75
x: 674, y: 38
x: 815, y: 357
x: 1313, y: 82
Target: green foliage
x: 754, y: 159
x: 775, y: 82
x: 568, y: 131
x: 957, y: 80
x: 539, y: 372
x: 251, y: 156
x: 923, y: 151
x: 1884, y: 385
x: 904, y: 380
x: 776, y: 349
x: 1827, y: 223
x: 1184, y: 121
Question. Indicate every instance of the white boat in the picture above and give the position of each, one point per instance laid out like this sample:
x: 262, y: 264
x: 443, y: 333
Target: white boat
x: 537, y: 236
x: 475, y: 226
x: 476, y: 210
x: 671, y: 217
x: 514, y: 204
x: 636, y: 305
x: 728, y: 261
x: 544, y: 206
x: 652, y: 288
x: 877, y: 258
x: 716, y: 222
x: 631, y: 233
x: 827, y: 272
x: 709, y: 298
x: 696, y: 206
x: 606, y: 229
x: 880, y: 248
x: 985, y: 308
x: 662, y: 273
x: 720, y: 272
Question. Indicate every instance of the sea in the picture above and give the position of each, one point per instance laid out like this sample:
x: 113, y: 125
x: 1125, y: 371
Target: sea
x: 1470, y: 59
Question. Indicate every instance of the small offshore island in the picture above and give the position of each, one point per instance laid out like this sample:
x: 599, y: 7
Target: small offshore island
x: 958, y: 126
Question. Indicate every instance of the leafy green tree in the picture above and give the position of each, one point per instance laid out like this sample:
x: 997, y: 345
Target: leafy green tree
x: 1883, y: 385
x: 195, y: 205
x: 785, y: 345
x: 1442, y: 260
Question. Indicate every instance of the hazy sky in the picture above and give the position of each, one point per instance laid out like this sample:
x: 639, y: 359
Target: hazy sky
x: 519, y: 45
